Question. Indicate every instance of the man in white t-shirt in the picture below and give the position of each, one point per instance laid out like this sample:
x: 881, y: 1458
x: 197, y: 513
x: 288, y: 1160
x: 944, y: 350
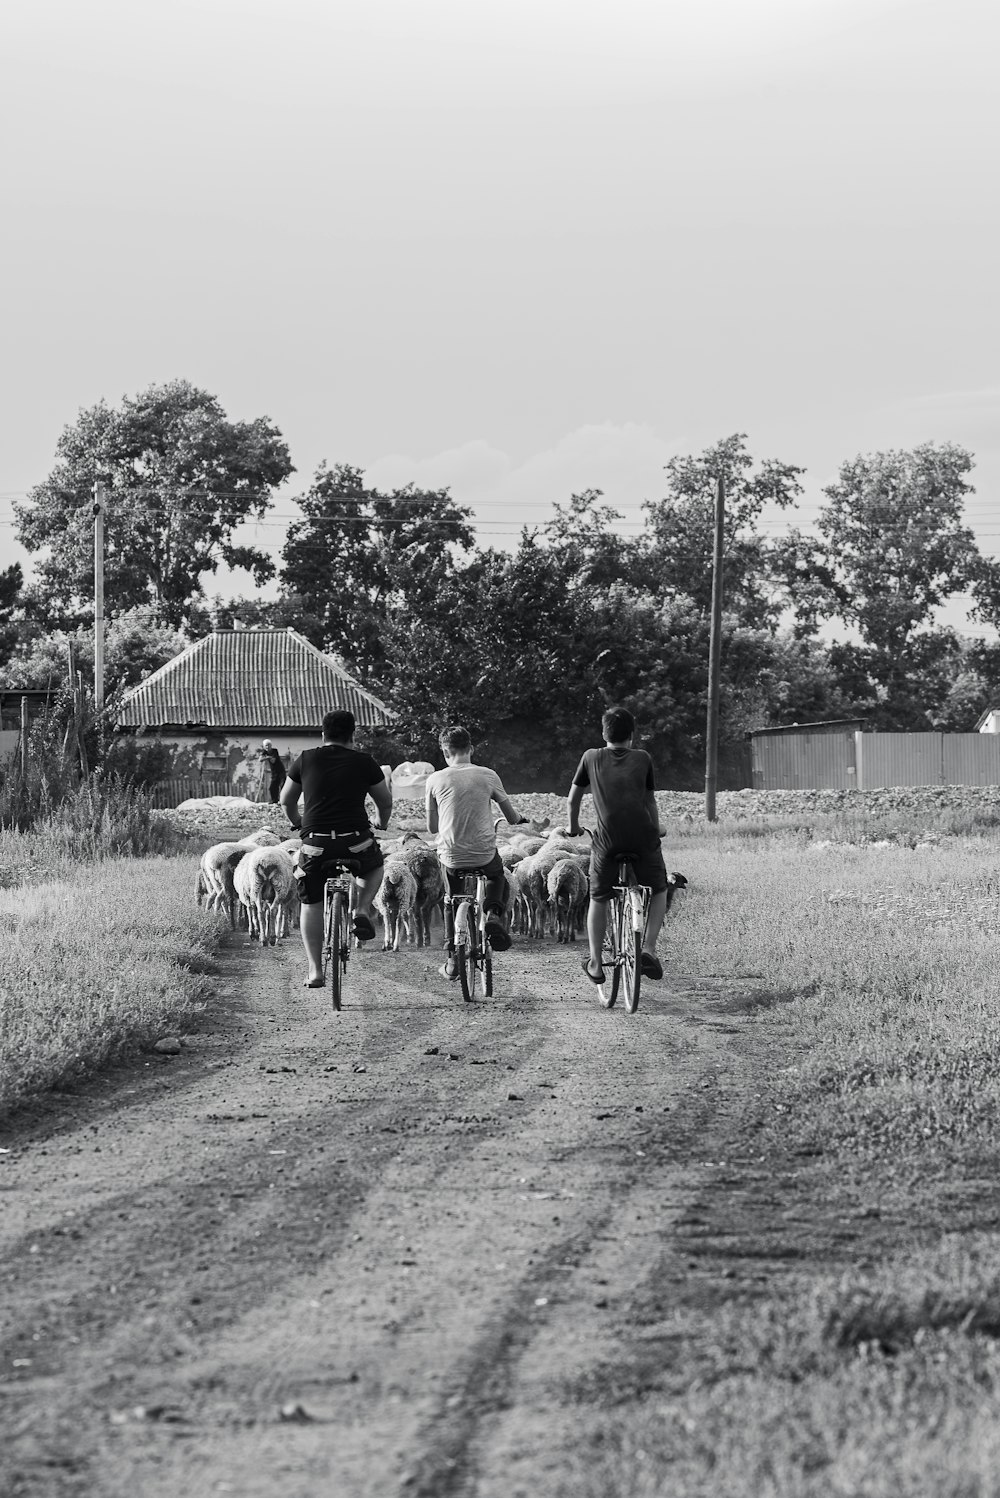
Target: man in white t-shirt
x: 460, y: 810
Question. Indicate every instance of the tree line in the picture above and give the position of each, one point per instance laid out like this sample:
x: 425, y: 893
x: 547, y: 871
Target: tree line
x: 538, y: 639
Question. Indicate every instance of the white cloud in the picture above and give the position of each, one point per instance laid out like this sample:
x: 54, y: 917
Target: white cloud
x: 625, y: 461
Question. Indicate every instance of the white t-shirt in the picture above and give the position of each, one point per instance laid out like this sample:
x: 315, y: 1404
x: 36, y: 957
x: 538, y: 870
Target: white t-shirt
x: 464, y: 796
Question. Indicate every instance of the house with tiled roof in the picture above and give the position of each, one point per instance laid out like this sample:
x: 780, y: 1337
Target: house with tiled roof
x: 217, y: 701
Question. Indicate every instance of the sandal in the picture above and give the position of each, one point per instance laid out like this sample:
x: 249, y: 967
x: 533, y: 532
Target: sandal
x: 585, y: 964
x: 363, y: 928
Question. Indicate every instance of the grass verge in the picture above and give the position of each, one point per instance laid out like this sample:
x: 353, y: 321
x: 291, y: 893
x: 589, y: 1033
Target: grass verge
x: 95, y: 968
x: 861, y: 1357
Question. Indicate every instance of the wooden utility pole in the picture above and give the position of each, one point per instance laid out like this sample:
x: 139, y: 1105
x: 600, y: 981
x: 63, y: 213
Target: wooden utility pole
x: 100, y: 506
x: 24, y: 736
x: 714, y: 655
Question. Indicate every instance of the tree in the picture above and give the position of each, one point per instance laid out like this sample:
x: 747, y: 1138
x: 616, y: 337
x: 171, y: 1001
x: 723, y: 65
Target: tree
x: 359, y: 554
x: 896, y: 546
x: 137, y: 642
x: 11, y: 585
x: 678, y: 558
x: 181, y: 477
x: 582, y: 535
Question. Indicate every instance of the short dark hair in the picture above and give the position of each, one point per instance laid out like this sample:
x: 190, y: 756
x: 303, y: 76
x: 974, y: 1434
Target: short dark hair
x: 338, y: 725
x: 456, y: 739
x: 617, y: 725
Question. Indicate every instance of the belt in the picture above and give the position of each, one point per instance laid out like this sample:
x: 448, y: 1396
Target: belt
x: 354, y: 832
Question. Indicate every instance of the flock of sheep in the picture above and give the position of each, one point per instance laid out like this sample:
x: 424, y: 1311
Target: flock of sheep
x: 253, y: 883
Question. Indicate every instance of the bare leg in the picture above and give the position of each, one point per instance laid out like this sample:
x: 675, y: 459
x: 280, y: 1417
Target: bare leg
x: 311, y: 926
x: 366, y: 889
x: 654, y: 920
x: 597, y: 924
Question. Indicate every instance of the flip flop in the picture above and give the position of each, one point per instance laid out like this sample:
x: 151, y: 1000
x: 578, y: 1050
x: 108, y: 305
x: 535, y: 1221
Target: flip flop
x: 313, y: 983
x: 363, y: 928
x: 585, y: 964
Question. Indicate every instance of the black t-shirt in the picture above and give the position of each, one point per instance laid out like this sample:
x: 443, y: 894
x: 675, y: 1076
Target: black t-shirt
x: 619, y: 781
x: 335, y: 781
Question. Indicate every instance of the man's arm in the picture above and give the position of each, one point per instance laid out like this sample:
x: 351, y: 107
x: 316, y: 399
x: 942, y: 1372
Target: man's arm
x: 291, y: 790
x: 432, y: 811
x: 573, y: 803
x: 382, y: 796
x: 510, y: 811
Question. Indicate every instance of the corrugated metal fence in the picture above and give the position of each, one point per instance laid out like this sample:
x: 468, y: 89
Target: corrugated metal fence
x: 869, y: 761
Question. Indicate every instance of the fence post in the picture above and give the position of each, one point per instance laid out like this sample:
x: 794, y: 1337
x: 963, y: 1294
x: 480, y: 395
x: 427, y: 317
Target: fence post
x: 24, y: 737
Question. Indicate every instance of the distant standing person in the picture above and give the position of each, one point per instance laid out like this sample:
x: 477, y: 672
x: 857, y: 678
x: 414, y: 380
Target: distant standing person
x: 275, y: 770
x: 620, y: 779
x: 333, y: 781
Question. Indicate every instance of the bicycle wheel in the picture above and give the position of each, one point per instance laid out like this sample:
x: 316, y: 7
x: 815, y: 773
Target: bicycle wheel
x: 336, y: 941
x: 610, y: 958
x: 485, y: 966
x: 465, y: 950
x: 631, y: 968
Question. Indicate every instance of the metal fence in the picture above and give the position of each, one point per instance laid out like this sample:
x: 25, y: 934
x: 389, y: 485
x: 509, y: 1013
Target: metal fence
x: 870, y: 761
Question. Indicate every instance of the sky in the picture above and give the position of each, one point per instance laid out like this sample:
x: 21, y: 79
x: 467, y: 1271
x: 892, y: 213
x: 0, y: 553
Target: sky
x: 520, y: 249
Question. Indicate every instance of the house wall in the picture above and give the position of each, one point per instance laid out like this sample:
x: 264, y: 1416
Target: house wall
x: 992, y: 724
x: 233, y: 759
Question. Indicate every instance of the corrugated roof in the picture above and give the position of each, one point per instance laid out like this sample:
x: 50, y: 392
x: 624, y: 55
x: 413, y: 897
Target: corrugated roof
x: 249, y: 678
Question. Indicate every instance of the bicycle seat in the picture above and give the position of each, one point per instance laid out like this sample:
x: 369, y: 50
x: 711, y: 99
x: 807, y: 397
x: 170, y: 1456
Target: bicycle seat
x: 350, y: 865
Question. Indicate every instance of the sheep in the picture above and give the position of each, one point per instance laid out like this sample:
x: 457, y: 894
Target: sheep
x: 422, y: 862
x: 674, y: 883
x: 265, y: 883
x: 395, y: 901
x: 522, y: 903
x: 263, y: 838
x: 567, y: 887
x: 536, y: 872
x: 216, y: 877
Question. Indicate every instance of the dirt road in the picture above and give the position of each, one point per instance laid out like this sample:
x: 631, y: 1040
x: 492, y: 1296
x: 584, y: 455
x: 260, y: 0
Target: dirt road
x: 410, y: 1247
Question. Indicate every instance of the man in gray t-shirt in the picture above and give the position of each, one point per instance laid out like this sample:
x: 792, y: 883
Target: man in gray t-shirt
x: 460, y: 810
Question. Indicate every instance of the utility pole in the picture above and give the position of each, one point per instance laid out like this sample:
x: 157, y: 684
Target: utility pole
x: 714, y: 655
x: 100, y: 506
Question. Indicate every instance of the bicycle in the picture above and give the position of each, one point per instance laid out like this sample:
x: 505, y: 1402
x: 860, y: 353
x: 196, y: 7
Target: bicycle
x: 337, y: 895
x: 465, y: 934
x: 621, y: 956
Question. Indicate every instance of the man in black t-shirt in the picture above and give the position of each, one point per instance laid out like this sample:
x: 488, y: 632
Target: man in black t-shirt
x: 620, y: 779
x: 333, y: 781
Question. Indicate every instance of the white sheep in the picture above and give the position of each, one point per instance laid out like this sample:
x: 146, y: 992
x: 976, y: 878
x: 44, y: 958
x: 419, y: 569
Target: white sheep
x: 395, y: 901
x: 215, y: 877
x: 567, y: 887
x: 422, y: 862
x: 265, y: 883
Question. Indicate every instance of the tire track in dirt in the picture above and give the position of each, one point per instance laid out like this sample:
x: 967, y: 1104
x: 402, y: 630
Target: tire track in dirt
x: 412, y: 1269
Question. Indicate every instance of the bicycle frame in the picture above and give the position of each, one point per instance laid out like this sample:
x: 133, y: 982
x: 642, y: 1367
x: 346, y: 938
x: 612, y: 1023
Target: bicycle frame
x: 338, y: 898
x: 465, y: 934
x: 628, y: 909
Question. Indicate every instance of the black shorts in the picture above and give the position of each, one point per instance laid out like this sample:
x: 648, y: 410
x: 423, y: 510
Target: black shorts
x: 496, y: 881
x: 648, y: 868
x: 314, y: 862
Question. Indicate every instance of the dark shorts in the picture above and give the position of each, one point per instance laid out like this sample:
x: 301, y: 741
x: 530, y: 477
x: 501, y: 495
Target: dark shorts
x: 314, y: 862
x: 648, y: 868
x: 496, y: 881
